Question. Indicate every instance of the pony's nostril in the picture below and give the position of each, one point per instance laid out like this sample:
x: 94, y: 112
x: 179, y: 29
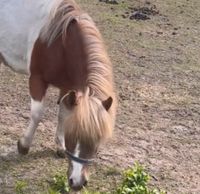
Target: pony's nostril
x: 71, y: 182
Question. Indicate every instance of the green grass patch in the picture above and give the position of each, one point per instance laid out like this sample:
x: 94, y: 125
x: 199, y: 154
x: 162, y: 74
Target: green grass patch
x: 58, y: 185
x: 20, y: 187
x: 112, y: 171
x: 135, y: 181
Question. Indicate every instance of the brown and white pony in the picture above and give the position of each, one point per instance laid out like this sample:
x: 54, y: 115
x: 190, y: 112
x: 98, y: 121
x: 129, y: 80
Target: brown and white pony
x: 56, y: 43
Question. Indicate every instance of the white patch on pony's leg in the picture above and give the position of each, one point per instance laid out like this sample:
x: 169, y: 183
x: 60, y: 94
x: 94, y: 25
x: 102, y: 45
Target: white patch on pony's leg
x: 60, y: 141
x: 36, y: 113
x: 60, y: 133
x: 60, y: 138
x: 76, y: 174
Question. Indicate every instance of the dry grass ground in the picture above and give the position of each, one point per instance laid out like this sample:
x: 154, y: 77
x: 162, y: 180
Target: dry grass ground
x: 157, y: 72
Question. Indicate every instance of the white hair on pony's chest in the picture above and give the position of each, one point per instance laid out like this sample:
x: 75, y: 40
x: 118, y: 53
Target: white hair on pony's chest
x: 20, y: 26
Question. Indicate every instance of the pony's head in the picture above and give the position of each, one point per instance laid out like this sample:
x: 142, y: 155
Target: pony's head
x: 87, y: 123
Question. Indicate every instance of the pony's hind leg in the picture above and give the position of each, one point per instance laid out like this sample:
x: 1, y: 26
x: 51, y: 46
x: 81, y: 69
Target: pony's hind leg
x: 37, y: 91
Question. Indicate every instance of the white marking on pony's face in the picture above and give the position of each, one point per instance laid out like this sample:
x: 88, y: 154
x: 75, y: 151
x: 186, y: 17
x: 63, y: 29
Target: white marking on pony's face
x: 76, y: 174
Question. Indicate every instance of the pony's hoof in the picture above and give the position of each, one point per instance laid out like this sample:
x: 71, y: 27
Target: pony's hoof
x: 61, y: 153
x: 21, y: 149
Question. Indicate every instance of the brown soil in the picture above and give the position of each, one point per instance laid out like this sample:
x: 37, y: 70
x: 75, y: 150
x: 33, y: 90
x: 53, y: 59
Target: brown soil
x: 157, y: 73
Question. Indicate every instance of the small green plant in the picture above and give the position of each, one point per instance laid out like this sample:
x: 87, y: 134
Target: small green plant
x: 59, y: 185
x: 20, y: 187
x: 135, y: 182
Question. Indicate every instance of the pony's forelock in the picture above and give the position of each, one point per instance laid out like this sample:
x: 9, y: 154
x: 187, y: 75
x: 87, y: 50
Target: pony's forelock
x: 89, y: 122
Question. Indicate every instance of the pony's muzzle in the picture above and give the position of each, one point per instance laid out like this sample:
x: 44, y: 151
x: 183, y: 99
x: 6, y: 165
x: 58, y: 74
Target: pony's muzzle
x: 77, y: 186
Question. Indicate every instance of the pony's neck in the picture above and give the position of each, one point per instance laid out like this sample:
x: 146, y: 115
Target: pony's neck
x: 75, y: 57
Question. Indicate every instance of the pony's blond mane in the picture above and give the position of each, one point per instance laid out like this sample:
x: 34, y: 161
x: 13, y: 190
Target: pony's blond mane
x: 88, y: 120
x: 62, y: 13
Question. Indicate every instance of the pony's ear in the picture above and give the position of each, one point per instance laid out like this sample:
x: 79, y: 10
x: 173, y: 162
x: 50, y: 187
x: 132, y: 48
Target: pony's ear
x: 70, y: 100
x: 107, y: 103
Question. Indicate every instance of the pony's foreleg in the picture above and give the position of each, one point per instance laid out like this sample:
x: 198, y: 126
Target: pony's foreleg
x: 60, y: 142
x: 60, y: 139
x: 37, y: 91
